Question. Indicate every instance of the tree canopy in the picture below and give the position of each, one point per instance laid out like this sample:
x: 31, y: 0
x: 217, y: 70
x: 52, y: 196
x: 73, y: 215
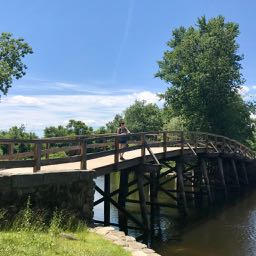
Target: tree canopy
x: 11, y: 66
x: 203, y: 67
x: 73, y: 127
x: 16, y: 132
x: 142, y: 117
x: 113, y: 125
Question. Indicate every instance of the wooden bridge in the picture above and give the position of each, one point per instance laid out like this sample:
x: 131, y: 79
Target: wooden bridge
x: 199, y: 163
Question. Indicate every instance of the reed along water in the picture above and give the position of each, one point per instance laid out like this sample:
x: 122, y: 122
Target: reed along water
x: 227, y: 229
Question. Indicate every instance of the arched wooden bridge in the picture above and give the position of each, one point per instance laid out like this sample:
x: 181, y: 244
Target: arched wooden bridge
x: 200, y: 163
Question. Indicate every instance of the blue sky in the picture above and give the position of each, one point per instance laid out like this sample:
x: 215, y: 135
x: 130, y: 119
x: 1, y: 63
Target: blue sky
x: 92, y: 59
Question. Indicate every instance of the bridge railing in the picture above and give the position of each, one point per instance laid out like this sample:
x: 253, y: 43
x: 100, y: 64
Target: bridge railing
x: 49, y: 151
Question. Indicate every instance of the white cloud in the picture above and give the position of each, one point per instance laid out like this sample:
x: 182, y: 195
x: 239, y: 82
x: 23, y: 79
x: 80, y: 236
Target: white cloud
x: 23, y: 100
x: 150, y: 97
x: 244, y: 90
x: 40, y: 111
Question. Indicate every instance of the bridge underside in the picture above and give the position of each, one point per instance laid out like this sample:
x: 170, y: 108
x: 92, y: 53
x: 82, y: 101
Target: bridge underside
x: 187, y: 180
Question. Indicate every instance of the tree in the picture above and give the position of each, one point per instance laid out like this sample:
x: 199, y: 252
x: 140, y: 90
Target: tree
x: 142, y: 117
x: 203, y: 68
x: 78, y: 128
x: 113, y: 125
x: 16, y: 132
x: 52, y: 131
x: 73, y: 127
x: 11, y: 66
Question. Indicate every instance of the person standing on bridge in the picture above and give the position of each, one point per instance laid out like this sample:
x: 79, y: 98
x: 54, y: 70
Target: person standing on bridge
x: 122, y: 131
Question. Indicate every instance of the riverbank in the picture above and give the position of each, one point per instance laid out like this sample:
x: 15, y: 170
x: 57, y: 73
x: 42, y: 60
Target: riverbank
x: 127, y: 242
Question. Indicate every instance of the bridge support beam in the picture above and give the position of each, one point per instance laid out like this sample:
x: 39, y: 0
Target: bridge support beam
x: 106, y: 201
x: 143, y: 206
x: 244, y: 173
x: 222, y: 177
x: 180, y: 183
x: 124, y: 178
x: 206, y: 178
x: 234, y: 169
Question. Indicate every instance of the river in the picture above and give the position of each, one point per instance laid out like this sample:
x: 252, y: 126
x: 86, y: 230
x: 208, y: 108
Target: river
x: 228, y: 229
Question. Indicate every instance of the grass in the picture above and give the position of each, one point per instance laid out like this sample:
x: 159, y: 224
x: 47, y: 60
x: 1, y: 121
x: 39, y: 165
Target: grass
x: 42, y: 243
x: 32, y: 233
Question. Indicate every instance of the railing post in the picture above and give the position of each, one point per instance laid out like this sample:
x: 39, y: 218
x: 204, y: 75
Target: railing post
x: 196, y: 140
x: 223, y: 145
x: 182, y: 142
x: 10, y: 150
x: 46, y: 148
x: 116, y: 156
x: 83, y: 165
x: 37, y: 156
x: 206, y: 142
x: 143, y: 148
x: 165, y: 143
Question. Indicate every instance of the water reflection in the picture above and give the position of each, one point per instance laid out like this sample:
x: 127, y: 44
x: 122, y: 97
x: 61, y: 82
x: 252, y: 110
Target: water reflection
x: 227, y: 229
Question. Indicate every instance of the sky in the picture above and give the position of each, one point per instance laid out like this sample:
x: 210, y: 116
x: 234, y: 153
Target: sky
x: 92, y: 59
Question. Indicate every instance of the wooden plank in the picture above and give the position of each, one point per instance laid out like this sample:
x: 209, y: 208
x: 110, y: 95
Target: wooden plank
x: 17, y: 155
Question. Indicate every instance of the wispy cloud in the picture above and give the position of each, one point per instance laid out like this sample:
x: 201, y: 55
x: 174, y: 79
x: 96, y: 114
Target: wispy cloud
x: 39, y: 111
x: 124, y: 39
x: 33, y: 86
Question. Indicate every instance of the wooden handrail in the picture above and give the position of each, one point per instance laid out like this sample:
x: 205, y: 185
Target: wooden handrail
x: 106, y: 144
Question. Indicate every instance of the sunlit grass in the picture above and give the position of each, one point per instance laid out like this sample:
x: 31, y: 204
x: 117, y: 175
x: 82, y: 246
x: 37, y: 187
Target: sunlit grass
x: 46, y: 244
x: 36, y: 233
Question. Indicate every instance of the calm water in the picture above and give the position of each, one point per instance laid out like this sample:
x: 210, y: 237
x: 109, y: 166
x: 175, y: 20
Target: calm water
x: 226, y: 230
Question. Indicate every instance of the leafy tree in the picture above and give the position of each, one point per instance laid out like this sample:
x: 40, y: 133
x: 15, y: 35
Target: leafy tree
x: 16, y: 132
x: 203, y: 68
x: 142, y: 117
x: 78, y: 128
x: 73, y: 127
x: 101, y: 130
x: 52, y: 131
x: 11, y: 66
x: 113, y: 125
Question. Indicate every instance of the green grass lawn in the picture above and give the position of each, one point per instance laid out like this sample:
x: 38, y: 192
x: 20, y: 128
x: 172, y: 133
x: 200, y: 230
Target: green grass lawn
x: 46, y: 244
x: 38, y: 233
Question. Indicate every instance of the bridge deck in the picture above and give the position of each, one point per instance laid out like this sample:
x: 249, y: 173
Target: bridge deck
x: 99, y: 165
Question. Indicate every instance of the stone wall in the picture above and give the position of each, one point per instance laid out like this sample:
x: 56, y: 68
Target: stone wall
x: 69, y: 190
